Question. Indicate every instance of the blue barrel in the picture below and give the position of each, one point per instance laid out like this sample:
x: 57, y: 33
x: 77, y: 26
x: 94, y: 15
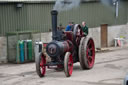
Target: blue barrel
x: 21, y: 46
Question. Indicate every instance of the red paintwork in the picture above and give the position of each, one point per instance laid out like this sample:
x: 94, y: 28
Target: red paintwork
x: 45, y: 44
x: 69, y: 35
x: 66, y: 44
x: 70, y: 44
x: 90, y: 53
x: 70, y: 64
x: 43, y: 68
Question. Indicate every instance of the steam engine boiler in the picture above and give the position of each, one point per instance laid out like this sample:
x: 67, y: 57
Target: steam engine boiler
x: 65, y: 49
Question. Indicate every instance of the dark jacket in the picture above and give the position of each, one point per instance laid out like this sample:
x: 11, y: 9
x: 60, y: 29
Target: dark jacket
x: 85, y: 30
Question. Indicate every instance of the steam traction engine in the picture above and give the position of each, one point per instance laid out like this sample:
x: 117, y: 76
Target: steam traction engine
x: 65, y: 49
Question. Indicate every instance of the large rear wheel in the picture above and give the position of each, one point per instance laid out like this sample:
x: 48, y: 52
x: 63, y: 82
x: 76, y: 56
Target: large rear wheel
x: 87, y: 53
x: 40, y: 67
x: 68, y: 64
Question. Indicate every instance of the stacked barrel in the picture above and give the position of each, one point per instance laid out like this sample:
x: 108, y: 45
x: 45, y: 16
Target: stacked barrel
x: 25, y: 51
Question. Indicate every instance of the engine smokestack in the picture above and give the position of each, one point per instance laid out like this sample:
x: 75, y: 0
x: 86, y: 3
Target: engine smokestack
x: 54, y: 14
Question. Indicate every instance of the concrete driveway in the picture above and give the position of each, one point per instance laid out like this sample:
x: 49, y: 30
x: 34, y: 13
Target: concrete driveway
x: 110, y: 69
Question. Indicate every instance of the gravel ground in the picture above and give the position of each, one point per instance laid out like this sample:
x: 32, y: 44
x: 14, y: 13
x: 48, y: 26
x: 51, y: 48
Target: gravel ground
x: 110, y: 68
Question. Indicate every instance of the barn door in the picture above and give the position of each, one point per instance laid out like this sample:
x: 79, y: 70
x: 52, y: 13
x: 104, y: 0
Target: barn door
x: 104, y: 35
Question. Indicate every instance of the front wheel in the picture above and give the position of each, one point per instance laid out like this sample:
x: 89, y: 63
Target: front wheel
x: 40, y: 67
x: 68, y: 64
x: 87, y: 53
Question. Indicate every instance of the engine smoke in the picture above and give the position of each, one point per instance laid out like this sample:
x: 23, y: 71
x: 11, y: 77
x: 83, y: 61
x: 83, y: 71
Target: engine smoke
x: 63, y: 5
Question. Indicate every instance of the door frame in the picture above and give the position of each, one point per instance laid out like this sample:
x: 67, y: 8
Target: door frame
x: 105, y: 35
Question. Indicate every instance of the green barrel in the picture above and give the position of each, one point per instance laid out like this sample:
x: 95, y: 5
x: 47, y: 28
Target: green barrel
x: 25, y: 50
x: 29, y: 46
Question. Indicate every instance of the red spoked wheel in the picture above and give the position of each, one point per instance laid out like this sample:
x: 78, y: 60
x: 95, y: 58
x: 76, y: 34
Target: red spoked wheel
x: 87, y: 53
x: 40, y: 65
x: 68, y: 64
x: 90, y: 54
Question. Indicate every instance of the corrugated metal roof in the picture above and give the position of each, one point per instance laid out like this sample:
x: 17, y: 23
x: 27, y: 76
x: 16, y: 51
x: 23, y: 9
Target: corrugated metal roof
x: 27, y: 0
x: 36, y: 0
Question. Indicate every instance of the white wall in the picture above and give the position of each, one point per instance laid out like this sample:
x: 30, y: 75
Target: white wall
x: 113, y: 32
x: 3, y: 49
x: 126, y: 33
x: 117, y: 31
x: 46, y: 37
x: 95, y: 34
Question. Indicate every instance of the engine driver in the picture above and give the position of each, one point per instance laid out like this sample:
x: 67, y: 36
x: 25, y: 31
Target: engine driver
x: 84, y: 28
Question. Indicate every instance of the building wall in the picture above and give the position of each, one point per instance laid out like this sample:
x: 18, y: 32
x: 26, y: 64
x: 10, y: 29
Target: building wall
x: 116, y: 32
x: 95, y: 33
x: 3, y: 49
x: 113, y: 32
x: 37, y: 17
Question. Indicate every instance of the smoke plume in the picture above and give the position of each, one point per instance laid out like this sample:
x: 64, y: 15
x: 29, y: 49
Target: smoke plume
x: 62, y: 5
